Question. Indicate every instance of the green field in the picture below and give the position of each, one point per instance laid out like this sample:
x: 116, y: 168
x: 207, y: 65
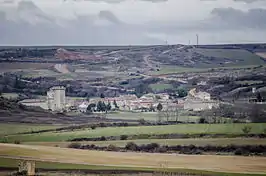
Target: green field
x: 176, y: 69
x: 190, y: 141
x: 13, y: 128
x: 160, y: 87
x: 149, y: 116
x: 245, y: 57
x: 229, y: 129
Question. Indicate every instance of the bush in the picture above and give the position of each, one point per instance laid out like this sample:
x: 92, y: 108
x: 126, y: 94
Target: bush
x: 246, y: 129
x: 112, y: 147
x: 202, y: 120
x: 240, y: 151
x: 123, y: 137
x: 74, y: 145
x: 93, y: 127
x: 17, y: 142
x: 132, y: 146
x: 142, y: 121
x: 103, y: 138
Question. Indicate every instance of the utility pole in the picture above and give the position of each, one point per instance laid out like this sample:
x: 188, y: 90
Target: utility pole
x: 197, y: 39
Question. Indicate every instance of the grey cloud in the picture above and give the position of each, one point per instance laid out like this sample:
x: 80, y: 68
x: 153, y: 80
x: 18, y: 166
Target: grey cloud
x: 109, y: 16
x: 246, y: 1
x: 229, y: 17
x: 7, y: 2
x: 81, y: 30
x: 118, y: 1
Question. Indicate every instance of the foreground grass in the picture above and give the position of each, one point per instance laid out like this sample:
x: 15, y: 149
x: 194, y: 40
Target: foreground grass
x: 196, y: 142
x: 13, y: 163
x: 130, y: 161
x: 13, y: 128
x: 229, y: 129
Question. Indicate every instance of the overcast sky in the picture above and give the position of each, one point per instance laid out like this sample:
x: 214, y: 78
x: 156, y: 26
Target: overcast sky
x: 131, y: 22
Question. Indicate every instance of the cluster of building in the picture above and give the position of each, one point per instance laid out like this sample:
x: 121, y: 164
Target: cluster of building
x: 196, y: 101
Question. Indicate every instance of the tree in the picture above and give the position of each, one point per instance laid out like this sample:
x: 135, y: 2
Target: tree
x: 102, y: 95
x: 159, y: 107
x: 91, y: 107
x: 181, y: 92
x: 115, y: 104
x: 108, y: 107
x: 99, y: 106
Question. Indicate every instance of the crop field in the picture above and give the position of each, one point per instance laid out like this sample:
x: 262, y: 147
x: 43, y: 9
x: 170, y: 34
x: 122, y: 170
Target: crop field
x: 13, y: 66
x: 176, y: 69
x: 160, y: 87
x: 254, y: 165
x: 194, y: 141
x: 10, y: 128
x: 245, y: 57
x: 149, y: 116
x: 256, y: 128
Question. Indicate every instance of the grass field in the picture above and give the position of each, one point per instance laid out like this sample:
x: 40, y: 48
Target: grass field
x: 160, y: 87
x: 194, y: 141
x: 149, y: 116
x: 176, y: 69
x: 245, y: 57
x: 117, y: 131
x: 10, y: 95
x: 12, y: 128
x: 255, y: 165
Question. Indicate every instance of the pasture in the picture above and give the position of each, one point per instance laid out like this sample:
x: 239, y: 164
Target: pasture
x: 254, y: 165
x: 14, y: 128
x: 160, y: 87
x: 242, y: 57
x: 148, y: 116
x: 229, y: 129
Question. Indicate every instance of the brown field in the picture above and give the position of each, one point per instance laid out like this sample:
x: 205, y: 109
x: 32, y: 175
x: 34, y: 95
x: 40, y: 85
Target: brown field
x: 261, y: 54
x: 232, y: 164
x: 10, y: 66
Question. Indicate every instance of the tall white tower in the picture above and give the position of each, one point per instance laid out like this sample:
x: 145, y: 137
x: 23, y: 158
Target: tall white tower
x: 56, y: 98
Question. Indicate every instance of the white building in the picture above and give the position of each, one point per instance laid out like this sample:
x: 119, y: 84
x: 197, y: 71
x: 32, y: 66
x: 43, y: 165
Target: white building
x: 56, y: 98
x: 83, y: 107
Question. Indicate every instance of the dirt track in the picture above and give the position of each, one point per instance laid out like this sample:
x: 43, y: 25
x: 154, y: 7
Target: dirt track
x: 233, y: 164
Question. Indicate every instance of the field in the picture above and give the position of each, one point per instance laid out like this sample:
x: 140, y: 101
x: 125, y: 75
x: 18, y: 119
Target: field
x: 117, y: 131
x: 176, y: 69
x: 245, y: 57
x: 9, y: 128
x: 160, y: 87
x: 254, y: 165
x: 16, y: 66
x: 194, y: 141
x: 148, y: 116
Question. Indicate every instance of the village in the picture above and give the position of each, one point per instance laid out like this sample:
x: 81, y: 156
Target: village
x: 56, y: 101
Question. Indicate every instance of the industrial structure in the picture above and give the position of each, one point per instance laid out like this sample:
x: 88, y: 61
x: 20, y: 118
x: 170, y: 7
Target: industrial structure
x: 56, y: 99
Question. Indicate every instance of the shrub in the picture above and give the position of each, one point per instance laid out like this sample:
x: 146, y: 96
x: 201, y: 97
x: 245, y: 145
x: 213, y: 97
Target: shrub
x: 93, y: 127
x: 74, y: 145
x: 103, y: 138
x: 112, y: 147
x: 142, y: 121
x: 202, y: 120
x: 17, y: 142
x: 240, y: 151
x: 132, y: 146
x: 246, y: 129
x: 123, y: 137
